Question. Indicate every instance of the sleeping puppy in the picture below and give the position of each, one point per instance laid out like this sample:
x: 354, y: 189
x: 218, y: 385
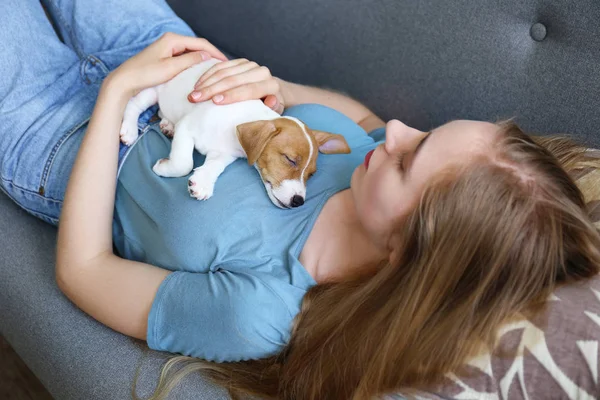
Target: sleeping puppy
x: 283, y: 149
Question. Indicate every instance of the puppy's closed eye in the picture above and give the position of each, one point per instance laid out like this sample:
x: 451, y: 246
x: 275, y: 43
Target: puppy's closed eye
x: 290, y: 160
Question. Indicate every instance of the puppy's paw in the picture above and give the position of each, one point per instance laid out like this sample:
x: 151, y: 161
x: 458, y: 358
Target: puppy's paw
x: 129, y: 131
x: 200, y: 186
x: 167, y: 127
x: 161, y: 167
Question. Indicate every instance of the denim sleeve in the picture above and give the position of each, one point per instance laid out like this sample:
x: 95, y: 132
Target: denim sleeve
x: 218, y: 316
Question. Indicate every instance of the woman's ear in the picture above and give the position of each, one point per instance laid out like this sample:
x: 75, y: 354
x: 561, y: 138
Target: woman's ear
x: 254, y: 136
x: 330, y: 143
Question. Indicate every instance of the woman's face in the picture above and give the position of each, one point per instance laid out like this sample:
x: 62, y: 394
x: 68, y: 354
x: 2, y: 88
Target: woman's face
x: 390, y: 182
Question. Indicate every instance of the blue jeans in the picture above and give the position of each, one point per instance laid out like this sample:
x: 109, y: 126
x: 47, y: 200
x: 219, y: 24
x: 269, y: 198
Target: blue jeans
x: 48, y: 86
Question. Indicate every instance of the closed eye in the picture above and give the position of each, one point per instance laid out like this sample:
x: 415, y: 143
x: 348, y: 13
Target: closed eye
x: 290, y: 161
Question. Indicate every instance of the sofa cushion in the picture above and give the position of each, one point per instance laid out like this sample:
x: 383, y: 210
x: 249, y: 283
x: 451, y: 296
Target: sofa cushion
x: 74, y: 356
x: 428, y: 61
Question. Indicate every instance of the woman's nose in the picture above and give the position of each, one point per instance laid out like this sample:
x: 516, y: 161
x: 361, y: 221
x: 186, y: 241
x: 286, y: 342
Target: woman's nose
x: 400, y: 137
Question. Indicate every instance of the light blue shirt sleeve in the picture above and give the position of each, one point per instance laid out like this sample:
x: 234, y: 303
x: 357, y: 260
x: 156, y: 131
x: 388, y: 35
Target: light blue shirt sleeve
x: 218, y: 316
x: 378, y: 134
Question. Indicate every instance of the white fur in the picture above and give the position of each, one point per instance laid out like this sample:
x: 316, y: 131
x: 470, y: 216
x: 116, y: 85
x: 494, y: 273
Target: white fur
x: 209, y: 128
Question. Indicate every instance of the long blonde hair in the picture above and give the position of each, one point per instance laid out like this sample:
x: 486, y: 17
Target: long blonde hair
x: 487, y: 241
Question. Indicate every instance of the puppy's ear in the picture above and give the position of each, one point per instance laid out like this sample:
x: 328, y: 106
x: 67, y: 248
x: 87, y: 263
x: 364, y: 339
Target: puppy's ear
x: 330, y: 143
x: 254, y: 136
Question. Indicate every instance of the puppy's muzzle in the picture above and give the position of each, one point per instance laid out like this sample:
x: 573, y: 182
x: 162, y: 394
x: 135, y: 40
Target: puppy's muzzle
x: 297, y: 201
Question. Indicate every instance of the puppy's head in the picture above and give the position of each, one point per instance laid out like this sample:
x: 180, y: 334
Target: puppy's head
x: 284, y: 151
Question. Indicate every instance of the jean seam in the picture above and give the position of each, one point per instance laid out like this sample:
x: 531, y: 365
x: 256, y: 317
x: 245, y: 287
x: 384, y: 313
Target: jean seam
x: 27, y: 209
x: 55, y: 150
x: 28, y: 191
x: 56, y: 12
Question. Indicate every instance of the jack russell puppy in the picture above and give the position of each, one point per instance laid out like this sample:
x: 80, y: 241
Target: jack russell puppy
x: 283, y: 149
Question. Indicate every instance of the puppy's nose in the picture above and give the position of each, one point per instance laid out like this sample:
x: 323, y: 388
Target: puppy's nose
x: 297, y: 201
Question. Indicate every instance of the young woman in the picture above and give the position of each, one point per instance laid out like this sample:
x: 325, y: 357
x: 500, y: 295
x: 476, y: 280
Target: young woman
x: 402, y: 264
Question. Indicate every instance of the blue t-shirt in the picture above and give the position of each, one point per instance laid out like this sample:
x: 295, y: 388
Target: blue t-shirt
x: 238, y: 283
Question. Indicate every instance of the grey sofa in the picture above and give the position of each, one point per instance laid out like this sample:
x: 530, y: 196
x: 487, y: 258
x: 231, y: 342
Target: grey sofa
x: 422, y: 61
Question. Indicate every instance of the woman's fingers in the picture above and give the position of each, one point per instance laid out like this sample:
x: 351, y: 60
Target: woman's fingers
x: 178, y: 44
x: 273, y: 103
x: 224, y: 73
x: 249, y: 91
x: 162, y: 60
x: 175, y: 65
x: 219, y: 67
x: 238, y: 80
x: 252, y: 83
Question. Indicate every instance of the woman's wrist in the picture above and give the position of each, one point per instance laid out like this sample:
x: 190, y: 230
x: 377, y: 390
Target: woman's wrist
x: 116, y: 90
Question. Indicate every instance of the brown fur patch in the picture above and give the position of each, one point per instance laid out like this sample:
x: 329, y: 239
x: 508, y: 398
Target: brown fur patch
x: 290, y: 142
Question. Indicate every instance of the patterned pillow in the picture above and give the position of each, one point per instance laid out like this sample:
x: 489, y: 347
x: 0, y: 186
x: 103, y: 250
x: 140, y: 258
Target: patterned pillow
x: 552, y: 356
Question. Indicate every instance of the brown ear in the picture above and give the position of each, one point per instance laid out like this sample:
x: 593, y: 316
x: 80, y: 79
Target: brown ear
x: 254, y: 136
x: 330, y: 143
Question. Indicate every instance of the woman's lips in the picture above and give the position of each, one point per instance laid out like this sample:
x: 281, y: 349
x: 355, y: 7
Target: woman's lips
x: 368, y: 158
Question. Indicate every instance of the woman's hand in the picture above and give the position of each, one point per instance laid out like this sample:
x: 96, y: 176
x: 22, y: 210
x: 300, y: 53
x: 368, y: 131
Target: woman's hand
x: 237, y: 80
x: 161, y: 61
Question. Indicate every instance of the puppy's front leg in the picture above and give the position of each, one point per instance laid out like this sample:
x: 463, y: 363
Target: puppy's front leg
x: 181, y: 158
x: 202, y: 182
x: 136, y: 105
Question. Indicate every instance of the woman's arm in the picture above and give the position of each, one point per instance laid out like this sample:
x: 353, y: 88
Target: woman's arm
x: 116, y: 292
x: 294, y: 94
x: 239, y: 80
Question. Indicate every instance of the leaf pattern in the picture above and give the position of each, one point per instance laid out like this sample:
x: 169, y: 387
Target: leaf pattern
x: 552, y: 356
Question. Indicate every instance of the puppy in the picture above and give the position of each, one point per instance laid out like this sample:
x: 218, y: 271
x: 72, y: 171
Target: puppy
x: 283, y: 149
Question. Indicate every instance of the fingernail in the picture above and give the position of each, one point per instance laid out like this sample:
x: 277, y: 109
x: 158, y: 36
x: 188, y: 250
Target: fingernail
x: 205, y: 56
x: 196, y: 95
x: 218, y: 98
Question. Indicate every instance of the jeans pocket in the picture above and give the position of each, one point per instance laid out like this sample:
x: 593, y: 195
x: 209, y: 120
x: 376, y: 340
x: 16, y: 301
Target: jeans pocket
x: 35, y: 204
